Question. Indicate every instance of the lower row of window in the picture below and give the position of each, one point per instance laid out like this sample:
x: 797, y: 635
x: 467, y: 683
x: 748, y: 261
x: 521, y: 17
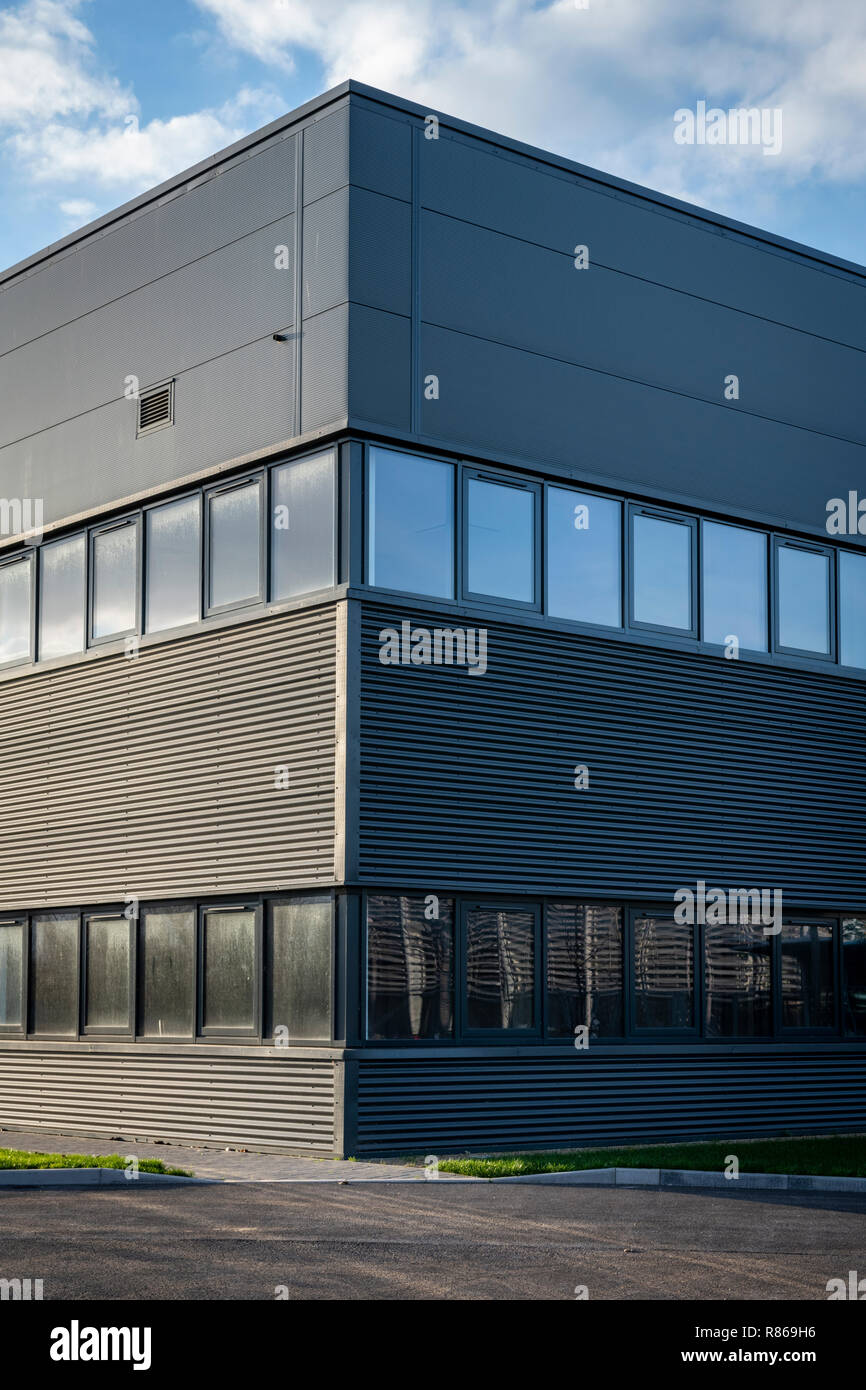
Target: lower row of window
x: 439, y: 971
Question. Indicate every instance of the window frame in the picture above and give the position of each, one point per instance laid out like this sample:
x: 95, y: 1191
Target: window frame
x: 566, y: 485
x: 22, y: 919
x: 157, y: 905
x: 75, y: 914
x: 508, y: 1036
x: 413, y: 1043
x: 535, y: 489
x: 813, y: 548
x: 331, y: 451
x: 635, y: 1033
x: 768, y: 586
x: 129, y: 519
x: 85, y: 626
x: 28, y: 557
x: 212, y: 1033
x: 637, y: 509
x: 145, y: 562
x: 210, y: 610
x: 91, y: 1030
x: 456, y: 534
x: 617, y: 905
x: 277, y: 900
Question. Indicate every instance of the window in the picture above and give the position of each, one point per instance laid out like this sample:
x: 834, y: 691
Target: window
x: 62, y: 597
x: 806, y: 950
x: 298, y: 969
x: 410, y: 966
x: 584, y: 563
x: 54, y: 975
x: 662, y: 572
x: 803, y: 578
x: 663, y: 973
x: 108, y: 974
x: 501, y: 526
x: 854, y: 974
x: 235, y: 546
x: 411, y: 523
x: 173, y: 534
x: 229, y: 970
x: 115, y: 581
x: 16, y: 587
x: 584, y: 970
x: 499, y: 951
x: 166, y: 972
x: 303, y: 523
x: 734, y: 563
x: 12, y: 976
x: 738, y: 990
x: 852, y: 609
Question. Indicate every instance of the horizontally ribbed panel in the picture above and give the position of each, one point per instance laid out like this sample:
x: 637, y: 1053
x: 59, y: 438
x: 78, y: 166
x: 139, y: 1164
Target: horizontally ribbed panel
x: 194, y: 1096
x: 741, y: 774
x: 154, y: 776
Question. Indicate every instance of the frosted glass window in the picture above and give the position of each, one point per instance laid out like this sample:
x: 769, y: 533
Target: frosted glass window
x: 108, y: 962
x: 62, y: 597
x: 166, y: 973
x: 234, y: 519
x: 115, y: 580
x: 173, y: 565
x: 303, y: 519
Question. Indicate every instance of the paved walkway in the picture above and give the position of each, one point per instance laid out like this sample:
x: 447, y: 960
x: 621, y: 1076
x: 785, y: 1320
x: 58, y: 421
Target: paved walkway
x: 233, y: 1165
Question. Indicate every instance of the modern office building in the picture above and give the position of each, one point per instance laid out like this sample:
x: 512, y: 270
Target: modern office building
x: 432, y: 657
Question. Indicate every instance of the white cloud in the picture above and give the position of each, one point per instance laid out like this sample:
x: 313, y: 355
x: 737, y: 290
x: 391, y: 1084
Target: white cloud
x: 78, y: 209
x: 47, y: 67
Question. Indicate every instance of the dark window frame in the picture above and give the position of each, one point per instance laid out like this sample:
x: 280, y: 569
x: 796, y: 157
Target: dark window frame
x: 828, y: 658
x: 91, y: 1030
x: 145, y: 562
x: 213, y: 1033
x: 506, y: 1036
x: 30, y: 557
x: 75, y: 914
x: 22, y: 919
x: 210, y: 610
x: 169, y: 905
x: 129, y: 519
x: 638, y: 1034
x: 638, y: 509
x: 364, y: 1034
x: 536, y: 490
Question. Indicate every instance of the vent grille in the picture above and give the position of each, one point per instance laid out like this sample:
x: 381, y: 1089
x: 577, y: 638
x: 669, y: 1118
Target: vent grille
x: 156, y: 408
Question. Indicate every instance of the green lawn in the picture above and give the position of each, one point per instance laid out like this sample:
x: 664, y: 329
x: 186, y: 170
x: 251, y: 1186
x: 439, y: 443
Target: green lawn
x: 19, y: 1158
x: 842, y: 1156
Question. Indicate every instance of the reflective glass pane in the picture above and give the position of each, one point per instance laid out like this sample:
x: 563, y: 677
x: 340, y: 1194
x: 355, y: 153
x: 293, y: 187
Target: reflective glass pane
x: 854, y: 974
x: 54, y: 975
x: 62, y: 597
x: 303, y: 518
x: 738, y: 986
x: 584, y: 970
x: 411, y: 521
x: 664, y: 973
x: 583, y: 557
x: 410, y: 966
x: 807, y: 975
x: 115, y: 566
x: 15, y: 586
x: 852, y: 609
x: 235, y: 544
x: 167, y: 973
x: 298, y: 969
x: 501, y: 541
x: 662, y: 572
x: 229, y: 970
x: 11, y: 974
x: 804, y: 607
x: 173, y: 565
x: 107, y: 968
x: 500, y: 968
x: 734, y: 586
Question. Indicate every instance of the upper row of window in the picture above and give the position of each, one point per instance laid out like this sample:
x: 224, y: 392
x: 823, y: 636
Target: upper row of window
x: 171, y: 564
x: 568, y: 553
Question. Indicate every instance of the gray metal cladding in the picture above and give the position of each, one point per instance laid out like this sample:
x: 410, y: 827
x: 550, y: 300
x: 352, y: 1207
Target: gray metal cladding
x: 155, y: 776
x: 437, y: 1104
x: 199, y: 1094
x: 380, y: 149
x: 741, y: 774
x: 326, y: 154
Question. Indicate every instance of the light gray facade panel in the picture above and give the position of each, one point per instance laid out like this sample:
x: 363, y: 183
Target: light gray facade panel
x: 326, y: 154
x: 324, y: 369
x: 739, y: 774
x: 325, y: 251
x: 548, y: 411
x: 510, y: 291
x: 155, y: 241
x: 381, y: 150
x: 155, y: 776
x: 195, y: 1095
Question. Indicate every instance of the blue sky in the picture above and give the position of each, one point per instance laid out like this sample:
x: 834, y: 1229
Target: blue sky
x: 100, y: 100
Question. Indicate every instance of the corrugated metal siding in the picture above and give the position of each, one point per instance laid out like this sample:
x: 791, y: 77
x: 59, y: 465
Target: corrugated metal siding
x: 700, y: 768
x: 436, y: 1104
x: 155, y: 776
x: 197, y: 1095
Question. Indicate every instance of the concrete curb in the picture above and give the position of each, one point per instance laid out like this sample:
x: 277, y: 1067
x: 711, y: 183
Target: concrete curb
x: 88, y: 1177
x: 681, y: 1177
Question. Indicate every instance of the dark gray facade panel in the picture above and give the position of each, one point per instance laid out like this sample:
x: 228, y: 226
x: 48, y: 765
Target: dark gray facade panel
x: 545, y: 410
x: 194, y: 1095
x: 324, y: 369
x: 325, y: 253
x: 155, y: 776
x: 208, y: 308
x: 155, y: 241
x: 326, y: 154
x: 380, y: 370
x: 492, y: 286
x: 239, y: 402
x: 740, y: 774
x: 380, y: 150
x: 498, y: 189
x: 380, y: 252
x: 437, y: 1104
